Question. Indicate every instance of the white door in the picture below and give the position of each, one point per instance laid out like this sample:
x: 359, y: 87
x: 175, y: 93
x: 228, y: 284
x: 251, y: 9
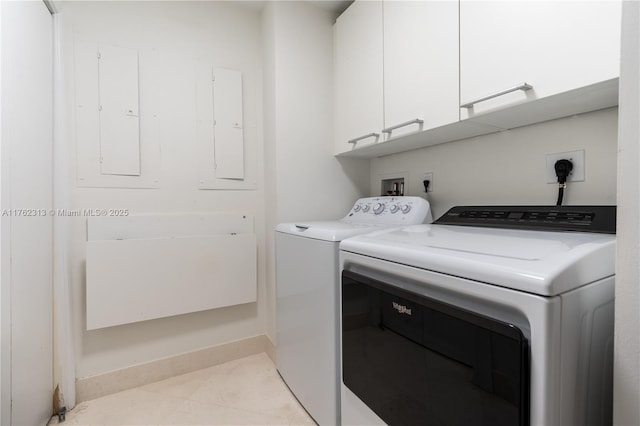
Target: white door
x: 554, y: 46
x: 26, y: 225
x: 421, y: 72
x: 358, y: 76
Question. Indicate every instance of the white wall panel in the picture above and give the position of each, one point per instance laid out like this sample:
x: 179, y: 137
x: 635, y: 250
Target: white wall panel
x: 141, y: 279
x: 153, y: 266
x: 626, y: 367
x: 228, y: 123
x: 167, y: 225
x: 26, y: 262
x: 119, y: 111
x: 226, y: 156
x: 111, y: 152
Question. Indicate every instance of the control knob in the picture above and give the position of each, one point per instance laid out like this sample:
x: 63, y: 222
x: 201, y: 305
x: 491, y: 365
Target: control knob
x: 394, y: 208
x: 406, y: 208
x: 366, y: 208
x: 378, y: 208
x: 357, y: 208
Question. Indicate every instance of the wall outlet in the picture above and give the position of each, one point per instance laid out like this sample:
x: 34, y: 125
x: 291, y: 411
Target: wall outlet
x: 576, y: 157
x: 427, y: 176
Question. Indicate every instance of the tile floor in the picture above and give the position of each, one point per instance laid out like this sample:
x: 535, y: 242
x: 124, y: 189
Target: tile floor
x: 246, y: 391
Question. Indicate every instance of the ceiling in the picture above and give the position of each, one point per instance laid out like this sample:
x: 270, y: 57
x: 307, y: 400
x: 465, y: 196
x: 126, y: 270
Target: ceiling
x: 335, y: 6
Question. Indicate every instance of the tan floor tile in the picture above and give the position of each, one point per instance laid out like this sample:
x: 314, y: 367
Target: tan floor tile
x: 182, y: 386
x: 246, y: 391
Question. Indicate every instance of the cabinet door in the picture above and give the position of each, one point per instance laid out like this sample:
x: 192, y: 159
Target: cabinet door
x: 421, y: 68
x: 358, y: 75
x: 554, y: 46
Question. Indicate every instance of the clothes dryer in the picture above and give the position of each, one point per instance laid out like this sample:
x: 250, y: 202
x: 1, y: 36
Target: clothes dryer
x: 490, y: 316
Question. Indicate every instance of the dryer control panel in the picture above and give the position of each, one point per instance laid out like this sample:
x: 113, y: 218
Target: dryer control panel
x: 599, y: 219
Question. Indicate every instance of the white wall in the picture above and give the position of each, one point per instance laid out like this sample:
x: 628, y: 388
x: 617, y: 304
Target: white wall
x: 26, y: 262
x: 509, y: 167
x: 305, y: 181
x: 4, y: 306
x: 177, y: 34
x: 627, y: 319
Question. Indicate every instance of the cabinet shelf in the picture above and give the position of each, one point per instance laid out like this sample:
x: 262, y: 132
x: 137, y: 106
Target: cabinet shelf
x: 585, y: 99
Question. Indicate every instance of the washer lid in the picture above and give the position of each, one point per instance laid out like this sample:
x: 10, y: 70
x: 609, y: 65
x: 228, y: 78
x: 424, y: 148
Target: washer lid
x: 539, y: 262
x: 336, y: 230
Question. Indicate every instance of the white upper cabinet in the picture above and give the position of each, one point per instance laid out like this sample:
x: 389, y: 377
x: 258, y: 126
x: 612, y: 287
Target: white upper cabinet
x: 358, y: 76
x: 421, y: 85
x: 396, y: 70
x: 552, y: 46
x: 410, y: 74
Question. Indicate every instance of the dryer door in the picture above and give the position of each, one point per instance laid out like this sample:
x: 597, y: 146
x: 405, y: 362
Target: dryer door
x: 415, y: 360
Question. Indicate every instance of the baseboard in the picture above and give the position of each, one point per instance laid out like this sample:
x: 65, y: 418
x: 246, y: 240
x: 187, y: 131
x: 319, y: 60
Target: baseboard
x: 142, y: 374
x: 270, y: 349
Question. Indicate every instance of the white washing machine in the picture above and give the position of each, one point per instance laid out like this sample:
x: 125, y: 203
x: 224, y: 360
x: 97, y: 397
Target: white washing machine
x: 490, y: 316
x: 307, y: 277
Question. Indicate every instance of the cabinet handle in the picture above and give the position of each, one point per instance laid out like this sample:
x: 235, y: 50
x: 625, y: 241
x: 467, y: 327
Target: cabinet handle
x: 368, y: 135
x: 406, y: 123
x: 524, y: 87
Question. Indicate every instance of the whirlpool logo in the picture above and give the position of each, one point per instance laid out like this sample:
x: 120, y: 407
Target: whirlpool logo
x: 402, y: 309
